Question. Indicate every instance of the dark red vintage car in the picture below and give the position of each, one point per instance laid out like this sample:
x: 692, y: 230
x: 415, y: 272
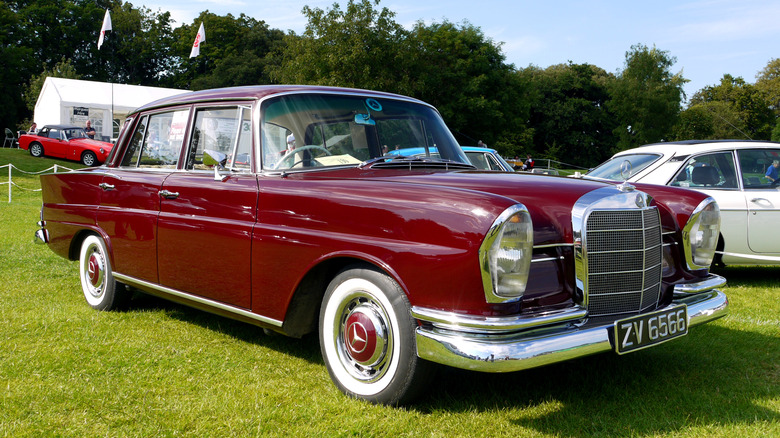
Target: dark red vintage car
x: 275, y: 205
x: 68, y: 142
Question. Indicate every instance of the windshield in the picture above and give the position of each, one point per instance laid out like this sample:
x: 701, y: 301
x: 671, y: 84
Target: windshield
x: 611, y: 169
x: 75, y: 133
x: 316, y: 130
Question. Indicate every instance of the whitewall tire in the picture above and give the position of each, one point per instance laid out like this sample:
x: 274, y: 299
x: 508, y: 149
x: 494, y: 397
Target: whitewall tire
x: 367, y: 338
x: 100, y: 289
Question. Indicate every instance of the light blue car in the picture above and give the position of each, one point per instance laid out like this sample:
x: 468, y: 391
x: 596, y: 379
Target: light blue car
x: 481, y: 158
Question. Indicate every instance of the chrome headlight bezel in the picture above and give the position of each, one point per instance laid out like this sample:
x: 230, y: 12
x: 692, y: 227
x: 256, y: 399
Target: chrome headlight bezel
x: 508, y: 243
x: 700, y: 235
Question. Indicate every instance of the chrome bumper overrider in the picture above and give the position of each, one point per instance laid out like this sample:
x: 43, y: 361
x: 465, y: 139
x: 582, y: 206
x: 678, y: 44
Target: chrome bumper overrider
x: 41, y: 235
x: 500, y: 344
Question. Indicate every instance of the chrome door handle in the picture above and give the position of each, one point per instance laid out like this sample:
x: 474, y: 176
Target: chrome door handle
x: 105, y: 186
x: 757, y: 200
x: 168, y: 195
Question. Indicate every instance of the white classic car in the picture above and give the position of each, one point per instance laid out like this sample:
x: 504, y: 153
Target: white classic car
x: 737, y: 174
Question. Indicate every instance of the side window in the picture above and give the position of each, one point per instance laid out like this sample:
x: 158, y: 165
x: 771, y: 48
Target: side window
x: 756, y: 166
x: 54, y: 133
x: 227, y: 130
x: 133, y: 151
x: 165, y: 134
x: 714, y: 170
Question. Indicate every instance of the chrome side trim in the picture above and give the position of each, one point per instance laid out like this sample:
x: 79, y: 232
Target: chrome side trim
x: 750, y: 256
x: 711, y: 282
x: 495, y: 324
x: 132, y: 281
x: 554, y: 245
x: 507, y: 352
x: 547, y: 259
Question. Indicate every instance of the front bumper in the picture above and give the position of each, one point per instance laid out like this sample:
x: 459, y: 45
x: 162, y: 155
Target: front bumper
x: 497, y: 344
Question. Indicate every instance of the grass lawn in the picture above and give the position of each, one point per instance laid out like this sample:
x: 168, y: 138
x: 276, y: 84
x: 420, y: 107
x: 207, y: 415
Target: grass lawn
x: 160, y: 369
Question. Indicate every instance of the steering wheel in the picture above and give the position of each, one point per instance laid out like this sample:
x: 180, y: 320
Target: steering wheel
x: 291, y: 154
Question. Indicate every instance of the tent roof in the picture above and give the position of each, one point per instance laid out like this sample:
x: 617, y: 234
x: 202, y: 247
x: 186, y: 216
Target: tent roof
x: 103, y: 94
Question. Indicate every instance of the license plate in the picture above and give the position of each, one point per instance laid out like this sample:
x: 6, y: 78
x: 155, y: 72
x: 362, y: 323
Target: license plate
x: 646, y: 330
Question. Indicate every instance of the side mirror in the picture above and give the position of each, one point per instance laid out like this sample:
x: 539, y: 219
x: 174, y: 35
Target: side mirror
x: 216, y: 159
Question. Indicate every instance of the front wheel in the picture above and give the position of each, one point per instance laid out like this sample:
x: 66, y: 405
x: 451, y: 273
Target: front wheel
x: 88, y: 159
x: 36, y: 149
x: 97, y: 280
x: 367, y: 338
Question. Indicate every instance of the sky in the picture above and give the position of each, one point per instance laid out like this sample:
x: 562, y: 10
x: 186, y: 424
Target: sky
x: 708, y: 38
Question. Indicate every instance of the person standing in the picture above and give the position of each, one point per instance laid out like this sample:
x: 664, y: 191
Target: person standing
x: 90, y: 130
x: 771, y: 172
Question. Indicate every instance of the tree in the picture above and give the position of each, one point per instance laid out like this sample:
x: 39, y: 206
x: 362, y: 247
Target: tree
x: 462, y: 72
x: 768, y: 83
x: 646, y: 97
x: 17, y: 63
x: 739, y: 108
x: 695, y: 122
x: 63, y: 69
x: 235, y: 53
x: 360, y: 47
x: 569, y: 114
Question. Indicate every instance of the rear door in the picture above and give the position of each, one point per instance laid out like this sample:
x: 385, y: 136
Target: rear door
x: 130, y: 202
x: 762, y: 199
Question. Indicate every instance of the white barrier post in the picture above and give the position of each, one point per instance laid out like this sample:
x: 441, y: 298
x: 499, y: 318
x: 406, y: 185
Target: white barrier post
x: 9, y: 182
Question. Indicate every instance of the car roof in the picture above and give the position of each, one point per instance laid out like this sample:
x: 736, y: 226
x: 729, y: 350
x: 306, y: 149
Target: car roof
x: 688, y: 147
x: 256, y: 92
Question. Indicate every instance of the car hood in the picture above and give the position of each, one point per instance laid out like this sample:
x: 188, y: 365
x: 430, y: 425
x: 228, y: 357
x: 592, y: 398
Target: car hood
x: 549, y: 199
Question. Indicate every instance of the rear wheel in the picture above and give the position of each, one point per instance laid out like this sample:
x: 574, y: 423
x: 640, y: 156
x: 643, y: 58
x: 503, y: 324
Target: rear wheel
x: 367, y: 338
x: 36, y: 149
x: 100, y: 289
x: 88, y: 158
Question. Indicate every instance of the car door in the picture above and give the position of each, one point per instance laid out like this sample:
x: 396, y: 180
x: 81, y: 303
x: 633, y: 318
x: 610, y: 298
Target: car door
x: 715, y: 174
x: 206, y: 220
x: 130, y: 202
x: 762, y: 199
x: 55, y: 146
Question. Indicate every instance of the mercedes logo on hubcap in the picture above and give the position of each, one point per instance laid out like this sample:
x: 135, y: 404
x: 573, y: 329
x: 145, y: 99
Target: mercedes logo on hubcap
x: 357, y: 336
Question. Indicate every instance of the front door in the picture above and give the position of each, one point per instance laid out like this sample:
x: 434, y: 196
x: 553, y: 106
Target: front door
x: 206, y: 222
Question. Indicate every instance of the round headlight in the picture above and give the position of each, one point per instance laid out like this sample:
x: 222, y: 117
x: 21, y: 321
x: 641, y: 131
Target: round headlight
x: 505, y: 255
x: 700, y: 235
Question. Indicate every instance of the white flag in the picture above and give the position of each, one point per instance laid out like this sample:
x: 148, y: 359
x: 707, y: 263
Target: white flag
x: 199, y: 38
x: 106, y: 26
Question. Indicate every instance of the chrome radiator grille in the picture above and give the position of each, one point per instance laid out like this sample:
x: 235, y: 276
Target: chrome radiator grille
x: 623, y: 250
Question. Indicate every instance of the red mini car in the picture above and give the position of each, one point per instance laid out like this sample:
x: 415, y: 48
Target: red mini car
x: 68, y: 142
x: 278, y: 206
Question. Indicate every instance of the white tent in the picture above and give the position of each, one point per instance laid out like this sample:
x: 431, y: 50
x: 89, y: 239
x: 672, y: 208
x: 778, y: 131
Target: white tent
x: 73, y: 102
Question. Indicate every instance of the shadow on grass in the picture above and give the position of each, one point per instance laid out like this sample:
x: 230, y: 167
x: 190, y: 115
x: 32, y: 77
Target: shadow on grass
x: 306, y: 348
x: 711, y: 378
x: 751, y: 276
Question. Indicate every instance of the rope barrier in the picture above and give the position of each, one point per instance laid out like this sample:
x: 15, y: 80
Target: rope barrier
x: 11, y: 183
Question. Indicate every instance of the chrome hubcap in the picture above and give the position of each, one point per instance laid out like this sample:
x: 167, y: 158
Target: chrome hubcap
x: 95, y: 272
x: 364, y: 339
